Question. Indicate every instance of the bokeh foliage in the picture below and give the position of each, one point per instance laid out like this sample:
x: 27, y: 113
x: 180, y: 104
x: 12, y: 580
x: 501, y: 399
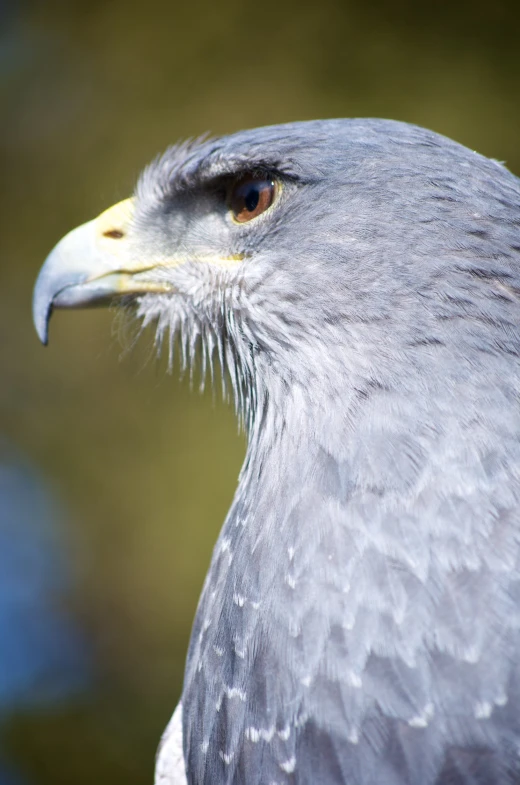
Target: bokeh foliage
x: 90, y: 91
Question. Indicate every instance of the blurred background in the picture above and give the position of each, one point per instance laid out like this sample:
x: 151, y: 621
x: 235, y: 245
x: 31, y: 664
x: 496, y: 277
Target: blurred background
x: 114, y: 477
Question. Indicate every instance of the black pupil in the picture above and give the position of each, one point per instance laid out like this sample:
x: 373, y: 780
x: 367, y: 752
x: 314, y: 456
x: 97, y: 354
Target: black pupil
x: 252, y: 197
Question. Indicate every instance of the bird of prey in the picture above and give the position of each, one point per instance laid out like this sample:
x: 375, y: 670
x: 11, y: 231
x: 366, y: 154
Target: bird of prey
x: 359, y: 282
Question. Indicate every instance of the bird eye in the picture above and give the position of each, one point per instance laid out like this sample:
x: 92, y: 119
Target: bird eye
x: 251, y: 196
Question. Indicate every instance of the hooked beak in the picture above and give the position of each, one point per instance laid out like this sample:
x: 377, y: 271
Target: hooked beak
x: 93, y: 264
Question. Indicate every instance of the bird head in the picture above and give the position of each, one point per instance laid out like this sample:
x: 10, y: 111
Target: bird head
x: 311, y: 252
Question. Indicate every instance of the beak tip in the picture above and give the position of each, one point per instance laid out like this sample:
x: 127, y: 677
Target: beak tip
x: 41, y: 324
x: 42, y: 310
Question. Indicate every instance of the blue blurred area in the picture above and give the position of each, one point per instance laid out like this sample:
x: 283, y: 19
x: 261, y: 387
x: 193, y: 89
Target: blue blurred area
x: 9, y: 777
x: 43, y: 655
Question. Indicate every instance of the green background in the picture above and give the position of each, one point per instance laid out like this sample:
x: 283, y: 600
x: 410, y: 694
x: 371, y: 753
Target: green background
x: 90, y: 92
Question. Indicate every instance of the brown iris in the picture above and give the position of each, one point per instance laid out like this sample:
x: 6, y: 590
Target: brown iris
x: 251, y: 196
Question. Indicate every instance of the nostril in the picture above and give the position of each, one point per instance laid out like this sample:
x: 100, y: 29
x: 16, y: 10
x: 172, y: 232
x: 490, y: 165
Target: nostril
x: 113, y: 234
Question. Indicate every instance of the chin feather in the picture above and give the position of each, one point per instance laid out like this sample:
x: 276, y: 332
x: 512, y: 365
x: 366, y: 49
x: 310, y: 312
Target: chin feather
x: 214, y: 344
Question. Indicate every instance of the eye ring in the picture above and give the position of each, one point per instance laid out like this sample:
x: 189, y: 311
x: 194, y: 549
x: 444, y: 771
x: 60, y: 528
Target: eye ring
x: 250, y: 196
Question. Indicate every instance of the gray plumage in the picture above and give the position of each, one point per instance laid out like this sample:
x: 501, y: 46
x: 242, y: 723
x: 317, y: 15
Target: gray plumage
x: 360, y: 620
